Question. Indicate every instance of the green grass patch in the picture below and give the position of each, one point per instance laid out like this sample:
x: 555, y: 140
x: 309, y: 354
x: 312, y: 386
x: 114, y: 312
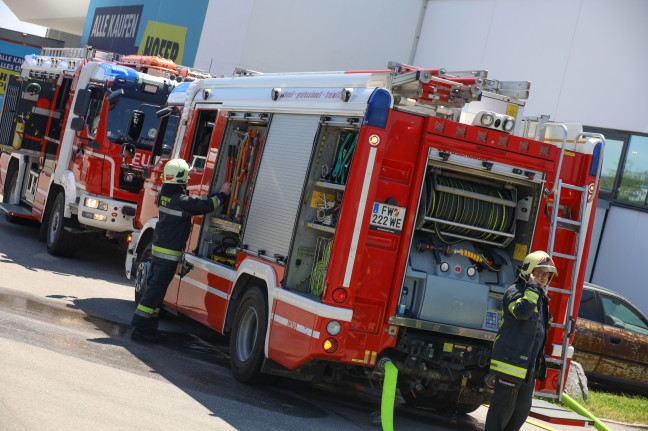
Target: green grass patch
x: 632, y: 409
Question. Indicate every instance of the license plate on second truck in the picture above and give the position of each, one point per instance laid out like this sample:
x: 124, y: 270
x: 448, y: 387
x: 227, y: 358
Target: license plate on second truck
x: 385, y: 217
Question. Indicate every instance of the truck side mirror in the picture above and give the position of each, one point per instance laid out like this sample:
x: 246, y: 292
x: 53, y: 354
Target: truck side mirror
x: 77, y: 124
x: 114, y: 97
x: 82, y: 102
x: 127, y: 151
x: 135, y: 125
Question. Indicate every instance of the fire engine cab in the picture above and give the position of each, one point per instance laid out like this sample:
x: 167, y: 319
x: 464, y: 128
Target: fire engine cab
x: 64, y: 140
x: 374, y: 215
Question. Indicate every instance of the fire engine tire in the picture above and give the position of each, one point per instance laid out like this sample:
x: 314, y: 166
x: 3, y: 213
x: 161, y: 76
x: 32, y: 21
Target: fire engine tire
x: 44, y: 226
x: 59, y: 241
x: 142, y: 272
x: 462, y: 408
x: 437, y: 403
x: 11, y: 182
x: 247, y: 339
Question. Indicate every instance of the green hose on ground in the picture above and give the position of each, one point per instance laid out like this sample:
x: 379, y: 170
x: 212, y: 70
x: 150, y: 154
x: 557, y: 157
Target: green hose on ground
x: 572, y: 404
x: 388, y: 397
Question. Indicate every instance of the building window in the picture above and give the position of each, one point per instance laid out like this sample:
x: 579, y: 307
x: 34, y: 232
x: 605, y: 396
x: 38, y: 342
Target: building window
x: 610, y: 168
x: 624, y: 174
x: 634, y: 180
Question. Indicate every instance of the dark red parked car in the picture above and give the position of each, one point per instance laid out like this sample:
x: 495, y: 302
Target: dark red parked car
x: 611, y: 341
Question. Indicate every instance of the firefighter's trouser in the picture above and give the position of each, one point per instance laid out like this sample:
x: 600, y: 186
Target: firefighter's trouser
x: 510, y: 405
x: 148, y: 310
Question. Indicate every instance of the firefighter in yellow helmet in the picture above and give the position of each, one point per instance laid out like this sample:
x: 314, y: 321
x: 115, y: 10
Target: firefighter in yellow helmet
x: 518, y: 352
x: 172, y: 230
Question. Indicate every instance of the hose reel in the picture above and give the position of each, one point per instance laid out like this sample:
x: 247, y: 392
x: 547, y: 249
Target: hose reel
x: 455, y: 208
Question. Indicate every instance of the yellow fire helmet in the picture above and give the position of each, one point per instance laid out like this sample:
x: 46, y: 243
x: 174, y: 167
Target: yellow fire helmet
x: 176, y: 171
x: 537, y: 260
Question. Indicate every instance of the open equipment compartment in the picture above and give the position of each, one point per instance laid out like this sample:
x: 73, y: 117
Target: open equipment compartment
x: 321, y: 204
x: 473, y: 228
x: 237, y: 163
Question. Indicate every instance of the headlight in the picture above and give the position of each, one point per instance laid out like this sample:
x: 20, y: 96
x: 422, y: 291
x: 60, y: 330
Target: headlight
x: 96, y: 204
x: 495, y: 121
x: 91, y: 203
x: 487, y: 119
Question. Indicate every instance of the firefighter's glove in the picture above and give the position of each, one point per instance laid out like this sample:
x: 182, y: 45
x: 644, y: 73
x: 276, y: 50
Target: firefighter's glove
x: 223, y: 194
x: 541, y: 367
x: 222, y: 198
x: 183, y: 267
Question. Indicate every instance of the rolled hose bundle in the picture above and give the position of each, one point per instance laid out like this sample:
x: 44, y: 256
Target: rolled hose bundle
x: 469, y: 211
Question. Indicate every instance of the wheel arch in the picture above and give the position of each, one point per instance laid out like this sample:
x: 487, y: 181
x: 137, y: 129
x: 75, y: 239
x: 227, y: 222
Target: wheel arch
x: 67, y: 183
x: 146, y: 237
x: 243, y: 283
x: 17, y: 163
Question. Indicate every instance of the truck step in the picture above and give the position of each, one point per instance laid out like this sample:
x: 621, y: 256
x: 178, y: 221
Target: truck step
x: 17, y: 211
x: 555, y: 414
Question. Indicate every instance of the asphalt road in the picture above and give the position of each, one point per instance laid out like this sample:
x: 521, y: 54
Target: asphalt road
x: 67, y: 362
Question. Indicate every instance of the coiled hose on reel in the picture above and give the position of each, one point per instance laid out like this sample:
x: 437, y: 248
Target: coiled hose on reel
x: 469, y: 206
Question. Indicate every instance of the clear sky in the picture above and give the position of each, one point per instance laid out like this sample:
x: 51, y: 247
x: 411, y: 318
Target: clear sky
x: 9, y: 21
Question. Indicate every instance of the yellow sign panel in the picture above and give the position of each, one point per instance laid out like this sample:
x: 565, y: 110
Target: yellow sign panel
x: 165, y: 40
x: 520, y: 251
x: 512, y: 110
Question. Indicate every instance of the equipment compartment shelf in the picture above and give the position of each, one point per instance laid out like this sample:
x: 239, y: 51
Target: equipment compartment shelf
x: 321, y: 227
x: 325, y: 184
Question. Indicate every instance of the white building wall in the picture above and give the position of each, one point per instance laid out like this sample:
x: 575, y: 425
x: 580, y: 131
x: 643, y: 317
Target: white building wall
x: 582, y: 57
x: 298, y: 35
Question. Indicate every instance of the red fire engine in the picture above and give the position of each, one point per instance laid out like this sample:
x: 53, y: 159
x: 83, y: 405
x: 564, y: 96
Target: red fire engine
x: 373, y: 215
x: 63, y: 134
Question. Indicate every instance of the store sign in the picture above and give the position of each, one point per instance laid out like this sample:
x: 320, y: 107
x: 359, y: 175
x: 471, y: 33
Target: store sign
x: 165, y: 40
x: 9, y: 65
x: 115, y: 28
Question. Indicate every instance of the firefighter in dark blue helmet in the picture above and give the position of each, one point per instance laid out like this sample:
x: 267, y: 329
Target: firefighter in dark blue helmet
x: 518, y: 352
x: 172, y: 230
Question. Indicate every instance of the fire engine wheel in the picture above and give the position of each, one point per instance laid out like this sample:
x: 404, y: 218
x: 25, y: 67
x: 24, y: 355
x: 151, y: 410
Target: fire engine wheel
x: 463, y: 408
x: 248, y: 338
x: 142, y: 273
x: 10, y: 185
x: 423, y: 401
x: 59, y: 241
x: 438, y: 403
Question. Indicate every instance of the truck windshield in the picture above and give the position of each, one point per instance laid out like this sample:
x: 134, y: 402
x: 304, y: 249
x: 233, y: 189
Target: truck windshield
x: 119, y: 117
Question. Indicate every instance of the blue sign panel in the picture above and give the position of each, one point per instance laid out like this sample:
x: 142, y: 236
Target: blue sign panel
x: 167, y: 28
x: 114, y: 29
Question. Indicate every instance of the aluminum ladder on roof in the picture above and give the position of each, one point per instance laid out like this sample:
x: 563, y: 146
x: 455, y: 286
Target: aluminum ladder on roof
x: 579, y: 227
